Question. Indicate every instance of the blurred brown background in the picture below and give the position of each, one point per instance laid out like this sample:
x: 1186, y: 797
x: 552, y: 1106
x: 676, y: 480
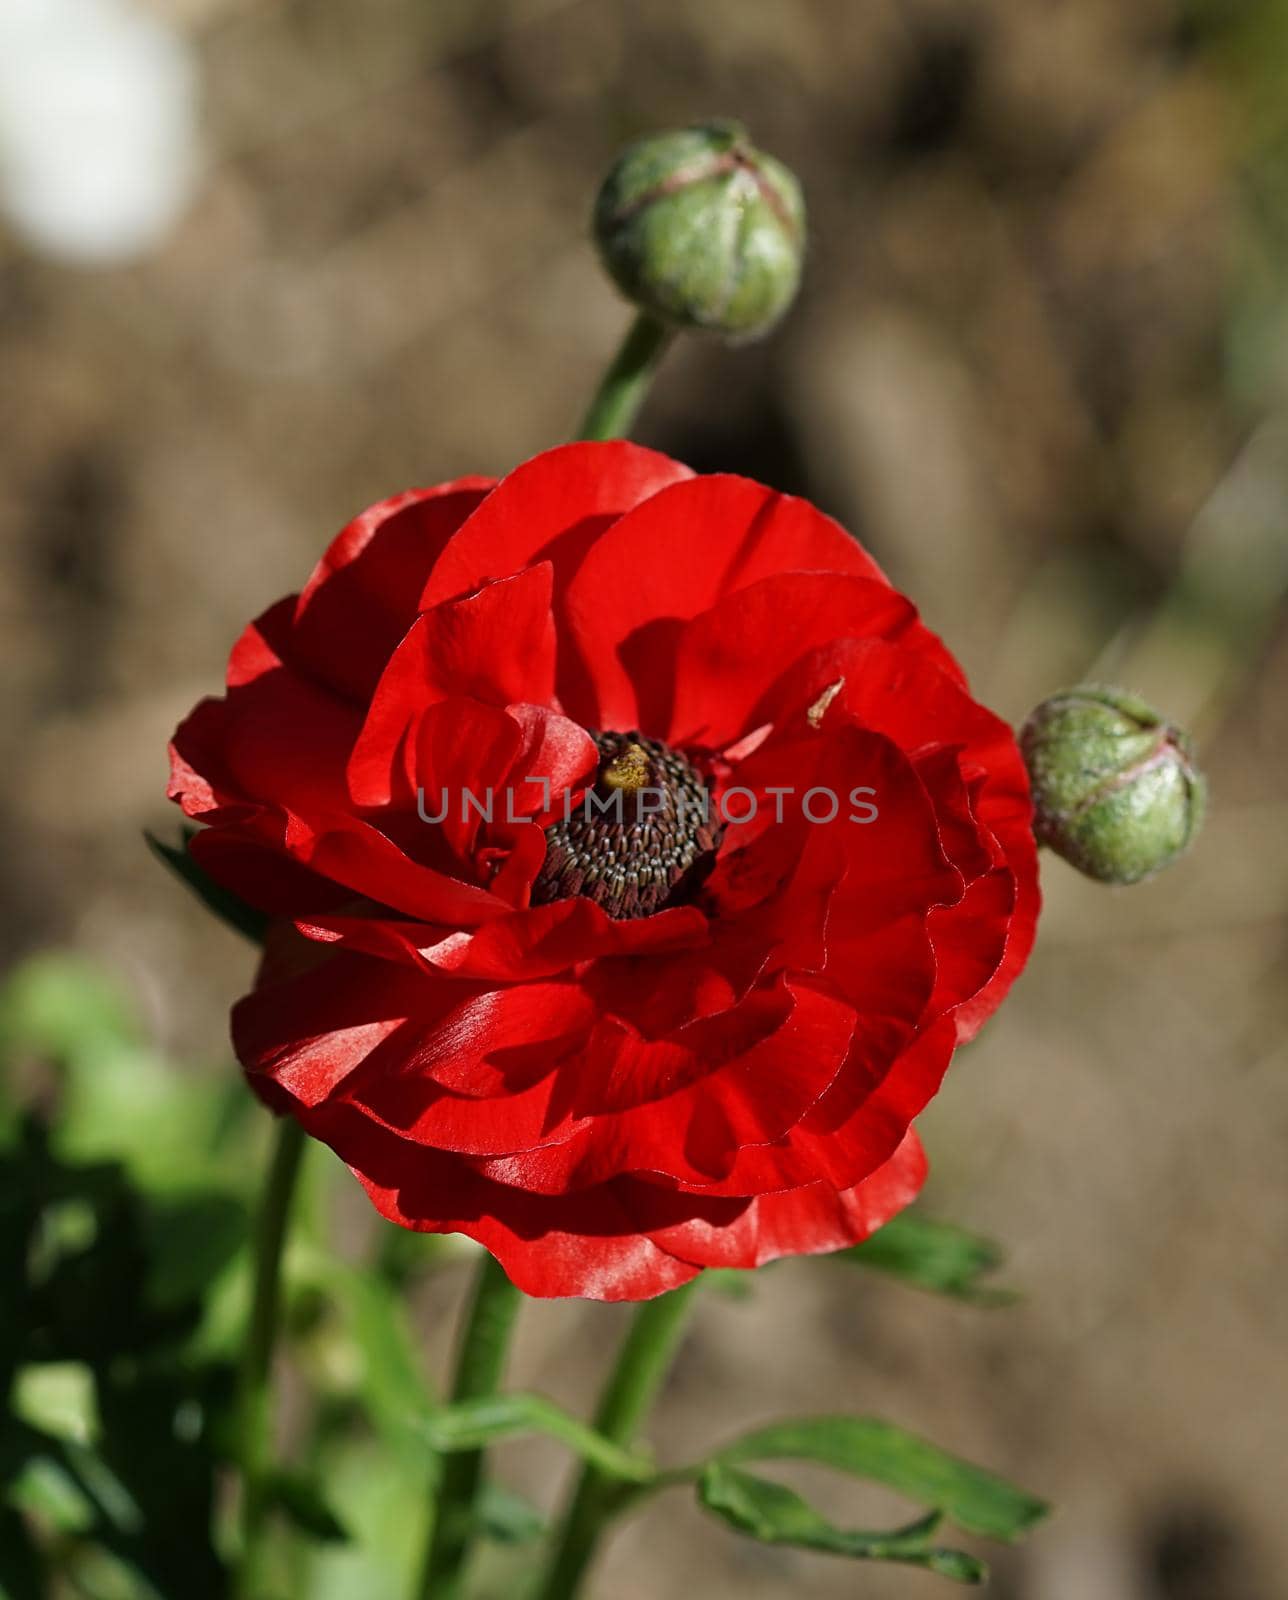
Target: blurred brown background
x: 1040, y: 365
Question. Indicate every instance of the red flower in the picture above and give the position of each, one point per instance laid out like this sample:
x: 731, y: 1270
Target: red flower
x: 613, y: 1048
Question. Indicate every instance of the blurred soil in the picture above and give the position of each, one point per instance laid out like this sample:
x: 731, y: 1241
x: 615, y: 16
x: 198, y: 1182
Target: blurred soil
x: 1038, y: 366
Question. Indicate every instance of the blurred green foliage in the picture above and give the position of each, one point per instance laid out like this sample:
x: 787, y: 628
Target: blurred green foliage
x: 126, y: 1192
x: 126, y: 1186
x: 937, y: 1256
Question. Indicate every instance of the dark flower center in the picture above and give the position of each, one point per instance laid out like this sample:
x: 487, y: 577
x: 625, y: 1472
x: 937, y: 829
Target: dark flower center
x: 643, y: 838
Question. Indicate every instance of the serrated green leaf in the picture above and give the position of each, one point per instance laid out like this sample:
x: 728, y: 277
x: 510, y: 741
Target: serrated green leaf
x: 301, y: 1498
x: 225, y: 905
x: 866, y: 1447
x: 506, y: 1517
x: 473, y: 1424
x: 774, y: 1514
x: 937, y: 1256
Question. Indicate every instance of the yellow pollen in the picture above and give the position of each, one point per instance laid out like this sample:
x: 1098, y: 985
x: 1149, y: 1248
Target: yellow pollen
x: 627, y: 771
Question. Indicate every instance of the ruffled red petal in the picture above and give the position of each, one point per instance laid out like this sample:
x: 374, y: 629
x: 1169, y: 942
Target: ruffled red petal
x: 611, y: 1106
x: 364, y: 593
x: 670, y: 559
x: 552, y: 508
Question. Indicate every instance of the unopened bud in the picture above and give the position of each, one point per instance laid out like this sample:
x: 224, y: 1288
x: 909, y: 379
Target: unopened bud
x: 703, y: 230
x: 1115, y: 787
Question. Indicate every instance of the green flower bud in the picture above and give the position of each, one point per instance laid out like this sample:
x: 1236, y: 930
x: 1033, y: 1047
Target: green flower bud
x: 703, y: 230
x: 1115, y: 786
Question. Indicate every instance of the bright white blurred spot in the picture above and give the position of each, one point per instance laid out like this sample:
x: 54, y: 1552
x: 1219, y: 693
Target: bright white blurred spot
x: 98, y: 145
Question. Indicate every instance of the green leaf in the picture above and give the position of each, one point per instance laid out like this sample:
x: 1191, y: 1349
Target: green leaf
x: 190, y: 1239
x: 775, y: 1514
x: 506, y: 1517
x: 301, y: 1498
x: 102, y: 1487
x: 157, y: 1445
x: 116, y: 1098
x: 246, y: 920
x: 472, y: 1424
x: 108, y: 1437
x: 735, y: 1283
x: 865, y: 1447
x: 79, y: 1490
x: 57, y: 1398
x: 46, y: 1489
x: 90, y: 1357
x: 59, y: 1006
x: 70, y: 1237
x: 933, y: 1255
x: 376, y: 1351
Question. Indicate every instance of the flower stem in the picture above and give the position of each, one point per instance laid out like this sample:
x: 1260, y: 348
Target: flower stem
x: 642, y: 1365
x: 623, y: 387
x: 254, y: 1403
x: 480, y: 1361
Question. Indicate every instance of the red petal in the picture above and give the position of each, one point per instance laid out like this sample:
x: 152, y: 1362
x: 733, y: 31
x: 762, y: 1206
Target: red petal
x: 390, y: 1040
x: 646, y: 1108
x: 805, y: 1221
x: 239, y: 859
x: 279, y: 738
x: 906, y: 695
x: 895, y: 863
x: 264, y: 645
x: 959, y: 831
x: 496, y: 645
x: 464, y: 752
x: 305, y: 1035
x: 534, y: 943
x: 729, y: 656
x: 549, y: 1246
x: 558, y: 756
x: 550, y: 509
x: 353, y: 853
x: 363, y: 594
x: 1021, y: 930
x: 857, y: 1124
x: 197, y: 742
x: 970, y: 939
x: 674, y: 556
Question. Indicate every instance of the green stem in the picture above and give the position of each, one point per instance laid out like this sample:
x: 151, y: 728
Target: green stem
x: 254, y: 1400
x: 642, y: 1365
x: 480, y: 1361
x: 485, y: 1336
x: 624, y: 385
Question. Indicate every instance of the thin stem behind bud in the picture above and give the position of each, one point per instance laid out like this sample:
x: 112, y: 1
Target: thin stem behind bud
x: 624, y: 385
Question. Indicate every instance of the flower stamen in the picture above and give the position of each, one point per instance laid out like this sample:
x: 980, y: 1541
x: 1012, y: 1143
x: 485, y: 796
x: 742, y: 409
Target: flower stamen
x: 628, y: 771
x: 642, y: 839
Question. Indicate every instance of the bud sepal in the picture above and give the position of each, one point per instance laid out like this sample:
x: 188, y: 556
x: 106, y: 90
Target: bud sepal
x: 1115, y: 787
x: 703, y: 230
